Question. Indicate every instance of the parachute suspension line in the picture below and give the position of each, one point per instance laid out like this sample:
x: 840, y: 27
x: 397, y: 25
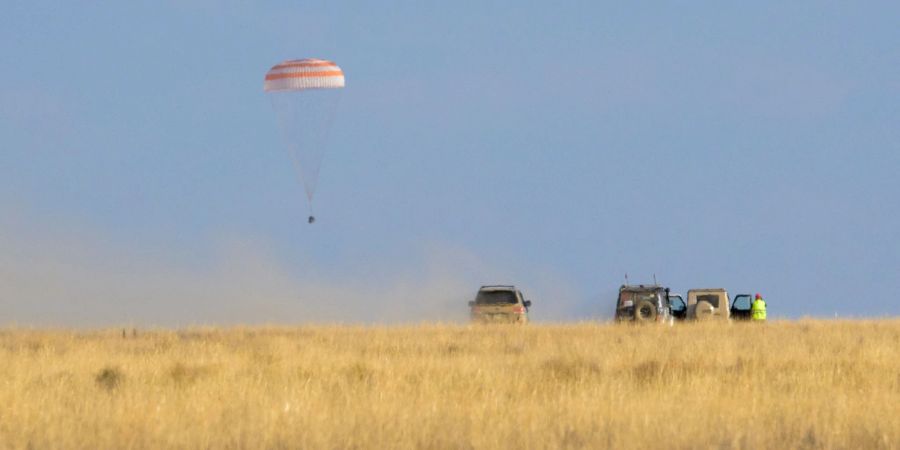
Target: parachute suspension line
x: 309, y: 192
x: 330, y: 110
x: 305, y: 121
x: 295, y: 159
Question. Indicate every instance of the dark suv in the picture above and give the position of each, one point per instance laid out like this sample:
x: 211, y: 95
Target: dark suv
x: 646, y: 304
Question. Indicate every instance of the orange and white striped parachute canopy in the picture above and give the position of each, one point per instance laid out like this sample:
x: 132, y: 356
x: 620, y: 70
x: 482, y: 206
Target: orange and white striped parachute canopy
x: 299, y: 74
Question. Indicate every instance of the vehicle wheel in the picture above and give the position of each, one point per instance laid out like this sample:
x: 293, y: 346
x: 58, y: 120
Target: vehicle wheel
x: 644, y: 311
x: 704, y: 310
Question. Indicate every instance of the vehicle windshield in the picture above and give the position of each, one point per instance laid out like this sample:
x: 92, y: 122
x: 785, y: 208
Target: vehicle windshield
x: 496, y: 298
x: 634, y: 297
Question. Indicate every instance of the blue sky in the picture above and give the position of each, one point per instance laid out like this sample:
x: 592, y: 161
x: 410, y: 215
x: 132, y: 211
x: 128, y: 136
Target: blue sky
x: 753, y: 147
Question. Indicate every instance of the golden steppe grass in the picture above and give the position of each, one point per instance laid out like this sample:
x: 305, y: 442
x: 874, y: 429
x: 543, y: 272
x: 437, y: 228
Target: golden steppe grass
x: 807, y: 384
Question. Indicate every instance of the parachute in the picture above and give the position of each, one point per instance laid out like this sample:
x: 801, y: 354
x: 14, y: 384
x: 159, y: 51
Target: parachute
x: 305, y: 94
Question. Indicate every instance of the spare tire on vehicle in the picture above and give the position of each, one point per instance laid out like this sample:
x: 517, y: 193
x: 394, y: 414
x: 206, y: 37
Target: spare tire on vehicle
x: 703, y: 310
x: 645, y: 311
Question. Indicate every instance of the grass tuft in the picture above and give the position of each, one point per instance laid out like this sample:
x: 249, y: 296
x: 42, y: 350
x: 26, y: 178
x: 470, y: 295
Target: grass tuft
x: 109, y: 378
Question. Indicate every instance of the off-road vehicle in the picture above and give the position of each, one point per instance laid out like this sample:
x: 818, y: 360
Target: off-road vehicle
x: 501, y: 304
x: 713, y: 303
x: 639, y: 303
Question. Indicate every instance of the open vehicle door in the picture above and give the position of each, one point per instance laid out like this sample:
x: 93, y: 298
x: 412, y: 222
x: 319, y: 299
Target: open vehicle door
x: 678, y: 307
x: 740, y: 307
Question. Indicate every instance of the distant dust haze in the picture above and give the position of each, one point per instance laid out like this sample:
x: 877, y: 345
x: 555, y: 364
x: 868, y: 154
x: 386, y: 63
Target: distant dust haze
x: 71, y: 277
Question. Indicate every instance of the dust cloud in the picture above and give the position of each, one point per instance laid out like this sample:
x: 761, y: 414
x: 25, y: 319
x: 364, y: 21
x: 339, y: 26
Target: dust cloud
x: 76, y: 278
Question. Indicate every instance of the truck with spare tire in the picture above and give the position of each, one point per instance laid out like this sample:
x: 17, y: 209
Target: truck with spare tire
x: 714, y: 304
x: 645, y: 304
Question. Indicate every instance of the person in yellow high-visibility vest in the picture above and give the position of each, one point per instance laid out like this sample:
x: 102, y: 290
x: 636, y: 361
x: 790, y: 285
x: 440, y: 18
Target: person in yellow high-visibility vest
x: 758, y: 309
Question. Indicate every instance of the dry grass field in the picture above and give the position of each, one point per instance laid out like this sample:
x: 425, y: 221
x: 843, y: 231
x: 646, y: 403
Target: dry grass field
x: 807, y: 384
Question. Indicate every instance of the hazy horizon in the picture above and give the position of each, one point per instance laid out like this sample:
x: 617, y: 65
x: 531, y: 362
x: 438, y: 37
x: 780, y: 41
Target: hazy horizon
x: 751, y: 147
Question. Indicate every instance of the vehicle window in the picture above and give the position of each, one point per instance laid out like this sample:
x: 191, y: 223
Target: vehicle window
x: 677, y: 303
x: 712, y: 299
x: 742, y: 302
x: 496, y: 298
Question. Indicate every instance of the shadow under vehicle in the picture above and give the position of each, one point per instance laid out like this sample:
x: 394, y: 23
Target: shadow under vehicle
x: 499, y: 304
x: 646, y: 304
x: 714, y: 304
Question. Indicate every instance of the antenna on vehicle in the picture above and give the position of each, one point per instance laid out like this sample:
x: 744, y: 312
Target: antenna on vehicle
x: 626, y: 278
x: 654, y: 280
